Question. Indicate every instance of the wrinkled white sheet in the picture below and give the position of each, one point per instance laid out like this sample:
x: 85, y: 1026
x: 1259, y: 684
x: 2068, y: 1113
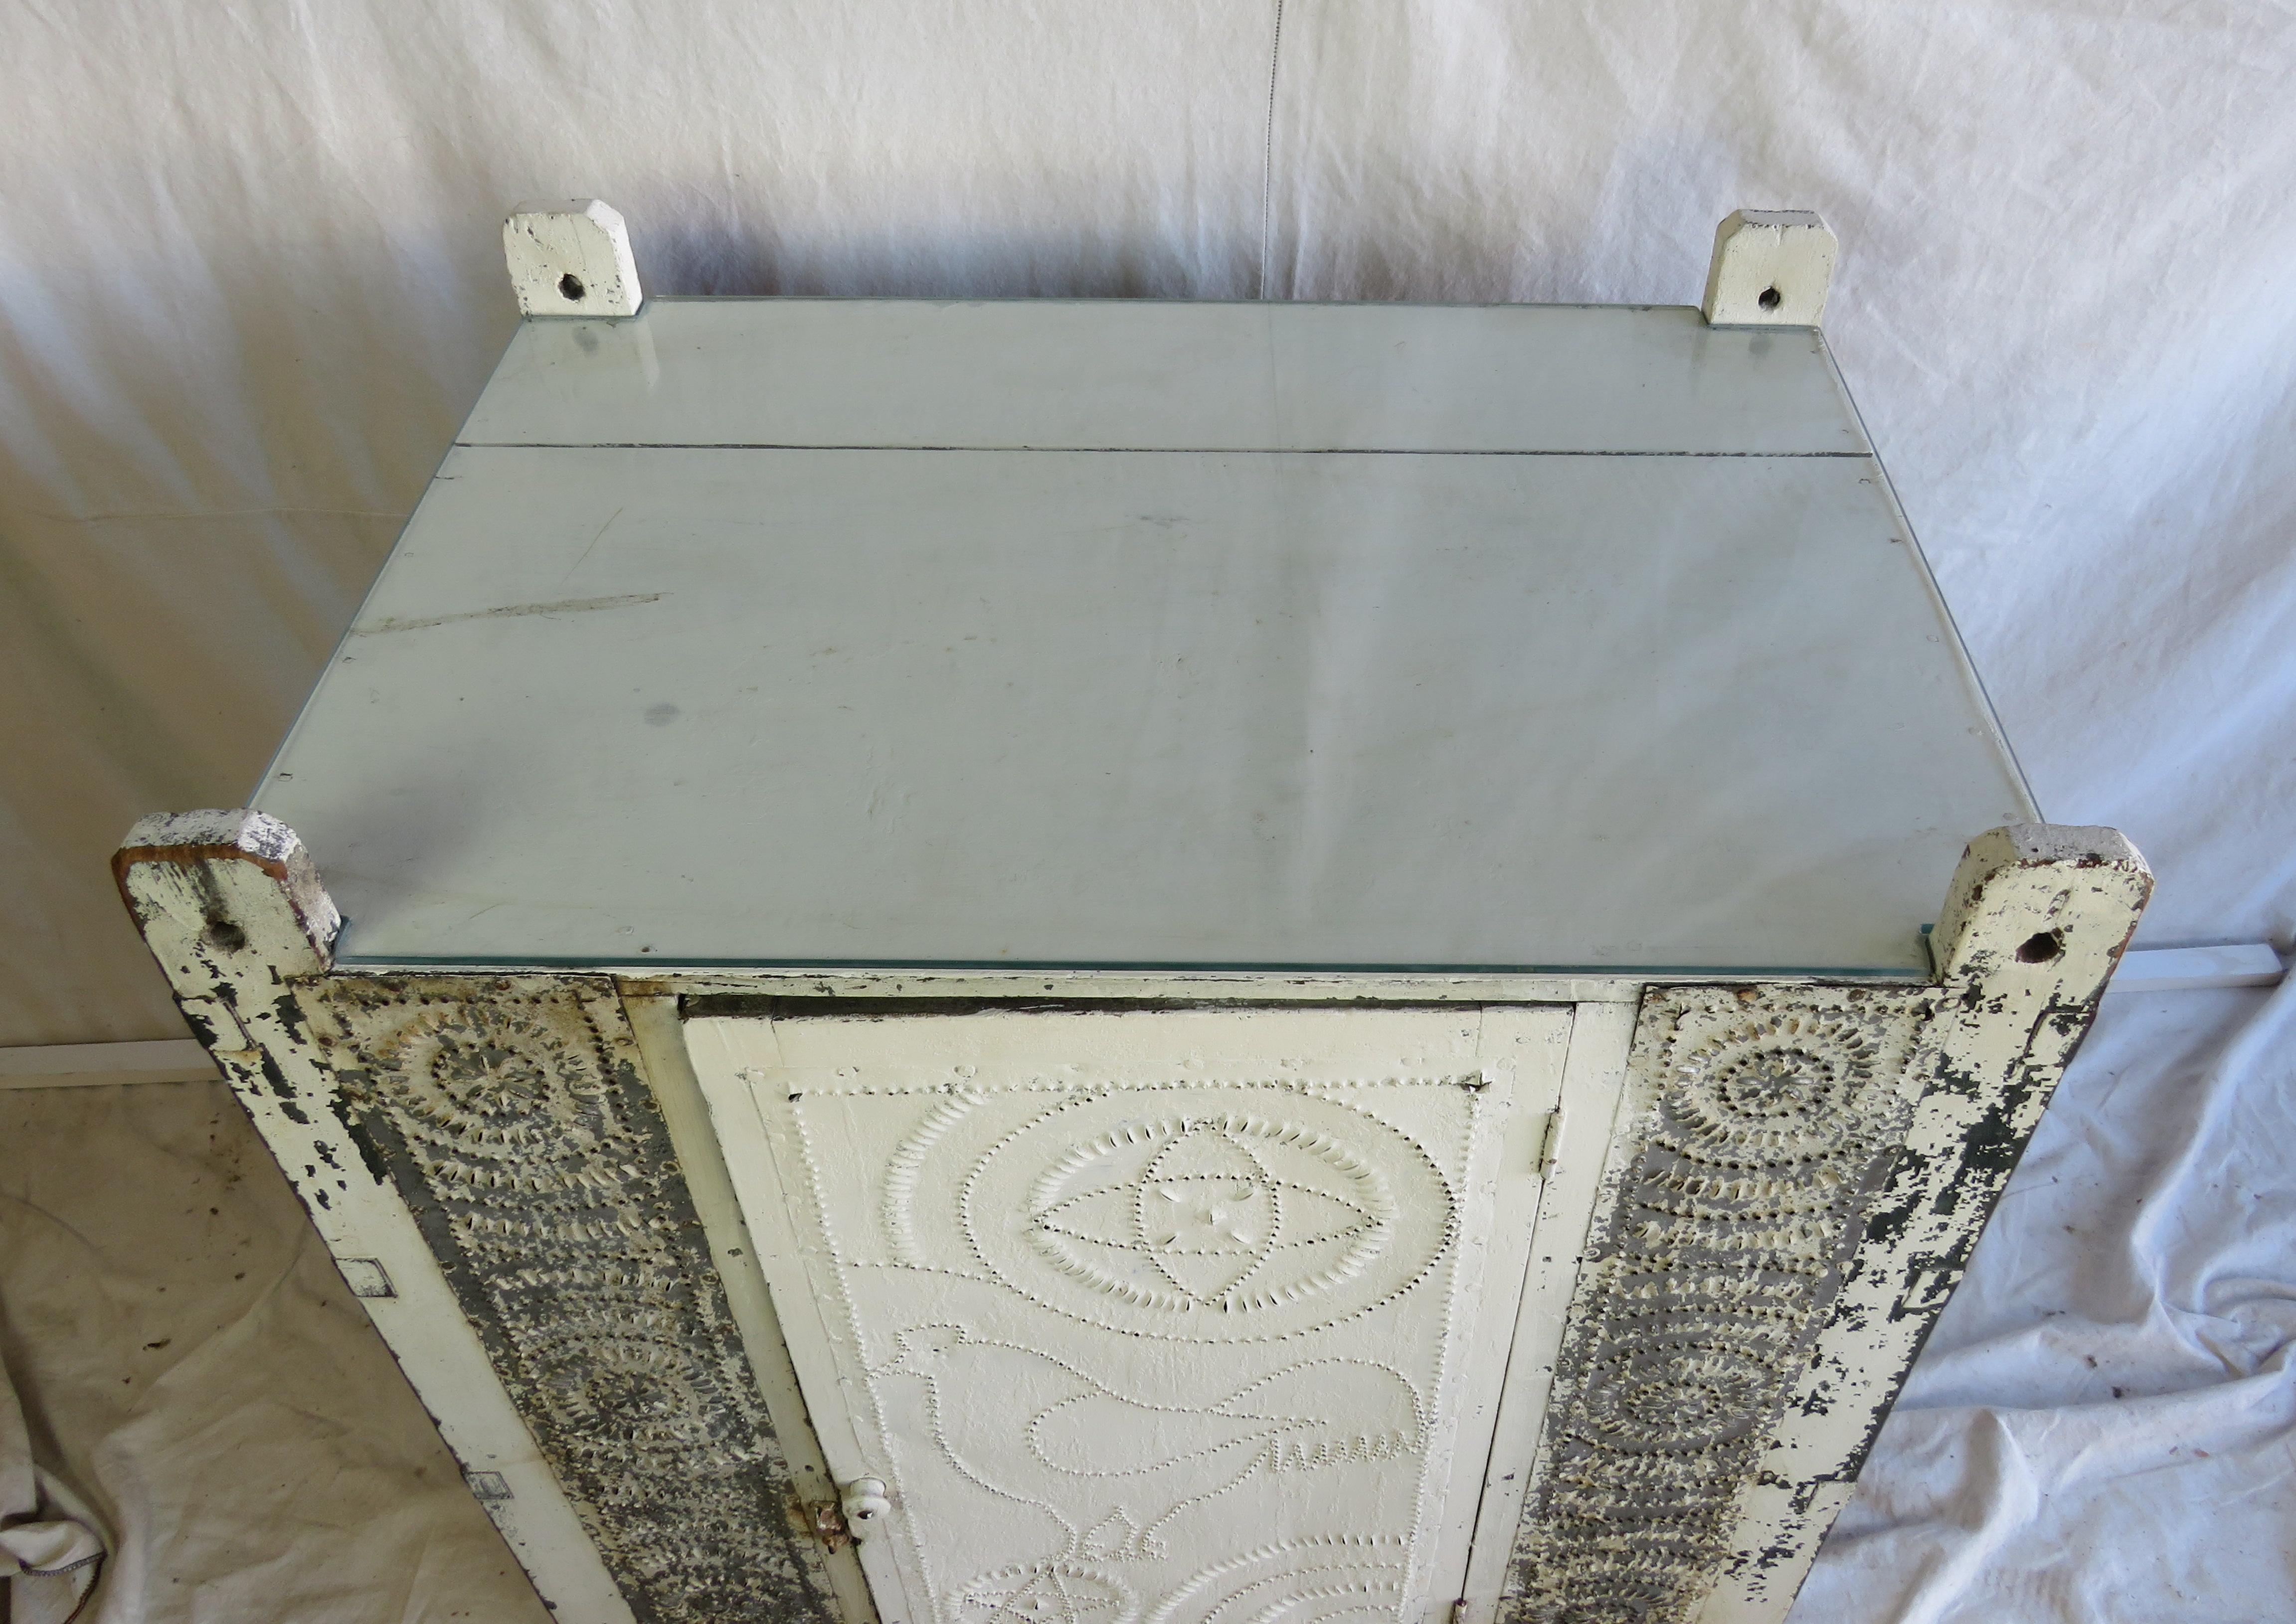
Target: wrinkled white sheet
x: 2102, y: 1426
x: 51, y: 1548
x: 250, y: 281
x: 203, y: 1391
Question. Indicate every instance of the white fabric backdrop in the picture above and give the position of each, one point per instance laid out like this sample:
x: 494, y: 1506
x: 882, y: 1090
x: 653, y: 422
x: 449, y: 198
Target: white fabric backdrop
x: 250, y: 281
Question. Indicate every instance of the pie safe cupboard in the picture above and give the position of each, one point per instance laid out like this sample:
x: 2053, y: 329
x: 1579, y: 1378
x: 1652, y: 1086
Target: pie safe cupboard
x: 1094, y: 963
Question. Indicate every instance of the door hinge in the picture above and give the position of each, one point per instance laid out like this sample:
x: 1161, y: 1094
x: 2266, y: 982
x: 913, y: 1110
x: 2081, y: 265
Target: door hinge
x: 1550, y: 1140
x: 852, y: 1516
x: 825, y: 1520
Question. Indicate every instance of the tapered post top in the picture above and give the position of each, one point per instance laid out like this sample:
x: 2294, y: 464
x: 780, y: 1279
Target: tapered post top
x: 2059, y: 900
x: 1771, y: 268
x: 571, y: 259
x: 217, y: 893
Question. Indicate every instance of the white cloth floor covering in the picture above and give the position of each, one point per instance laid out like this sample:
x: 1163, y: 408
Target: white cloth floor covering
x: 203, y: 1388
x: 2102, y: 1426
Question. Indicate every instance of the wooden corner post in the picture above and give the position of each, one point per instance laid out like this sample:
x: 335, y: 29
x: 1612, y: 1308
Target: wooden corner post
x: 1771, y: 268
x: 485, y: 1159
x: 232, y: 907
x: 571, y: 259
x: 216, y: 893
x: 1803, y: 1173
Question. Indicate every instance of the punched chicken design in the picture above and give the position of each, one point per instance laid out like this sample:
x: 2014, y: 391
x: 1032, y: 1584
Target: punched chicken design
x: 1113, y: 1470
x: 1129, y: 1350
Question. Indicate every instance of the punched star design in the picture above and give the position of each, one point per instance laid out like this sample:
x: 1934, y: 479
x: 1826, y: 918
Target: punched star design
x: 1208, y: 1213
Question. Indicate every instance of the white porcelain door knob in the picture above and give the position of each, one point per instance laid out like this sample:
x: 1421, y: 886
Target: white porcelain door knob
x: 865, y: 1505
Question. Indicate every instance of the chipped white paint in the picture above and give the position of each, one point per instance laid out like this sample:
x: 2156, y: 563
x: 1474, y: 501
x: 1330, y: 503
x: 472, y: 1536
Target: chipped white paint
x: 264, y: 872
x: 2034, y: 920
x: 229, y: 905
x: 571, y: 259
x: 1771, y: 268
x: 685, y: 1115
x: 1749, y: 1217
x: 1755, y: 1123
x: 515, y: 1116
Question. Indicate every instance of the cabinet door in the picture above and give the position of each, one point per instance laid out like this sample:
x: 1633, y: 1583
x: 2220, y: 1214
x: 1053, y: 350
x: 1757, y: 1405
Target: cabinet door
x: 1152, y: 1318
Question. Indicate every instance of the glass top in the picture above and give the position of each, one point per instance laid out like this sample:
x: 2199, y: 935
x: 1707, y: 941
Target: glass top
x: 836, y: 633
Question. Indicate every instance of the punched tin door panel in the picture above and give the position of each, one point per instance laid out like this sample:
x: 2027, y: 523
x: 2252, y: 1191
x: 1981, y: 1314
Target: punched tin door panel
x: 1154, y: 1317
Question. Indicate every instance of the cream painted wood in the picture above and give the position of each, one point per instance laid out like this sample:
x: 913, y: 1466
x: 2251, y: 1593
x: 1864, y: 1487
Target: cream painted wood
x: 1771, y: 268
x: 1674, y: 1469
x: 1578, y: 1139
x: 2034, y: 921
x: 1302, y: 695
x: 229, y: 904
x: 660, y: 1036
x: 571, y: 260
x: 1151, y: 1315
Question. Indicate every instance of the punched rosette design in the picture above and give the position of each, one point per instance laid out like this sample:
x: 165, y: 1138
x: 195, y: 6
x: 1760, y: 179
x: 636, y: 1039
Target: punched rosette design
x: 1768, y: 1124
x: 1230, y: 1213
x: 1133, y: 1341
x: 521, y: 1135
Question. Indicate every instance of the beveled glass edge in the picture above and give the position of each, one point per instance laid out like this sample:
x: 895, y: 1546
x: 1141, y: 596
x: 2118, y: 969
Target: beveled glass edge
x: 342, y: 639
x: 1997, y: 734
x: 1154, y: 299
x: 653, y: 969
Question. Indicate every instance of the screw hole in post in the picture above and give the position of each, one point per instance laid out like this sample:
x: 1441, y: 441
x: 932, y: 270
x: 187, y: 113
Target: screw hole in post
x: 570, y: 286
x: 222, y: 934
x: 1771, y: 298
x: 2040, y: 948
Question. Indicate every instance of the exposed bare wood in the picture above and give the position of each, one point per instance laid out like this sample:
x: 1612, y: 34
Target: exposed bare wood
x: 1795, y: 1178
x: 2034, y: 920
x: 229, y: 905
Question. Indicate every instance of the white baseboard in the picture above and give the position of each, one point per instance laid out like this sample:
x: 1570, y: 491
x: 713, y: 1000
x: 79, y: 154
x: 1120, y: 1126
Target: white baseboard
x: 65, y: 1065
x: 2187, y: 969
